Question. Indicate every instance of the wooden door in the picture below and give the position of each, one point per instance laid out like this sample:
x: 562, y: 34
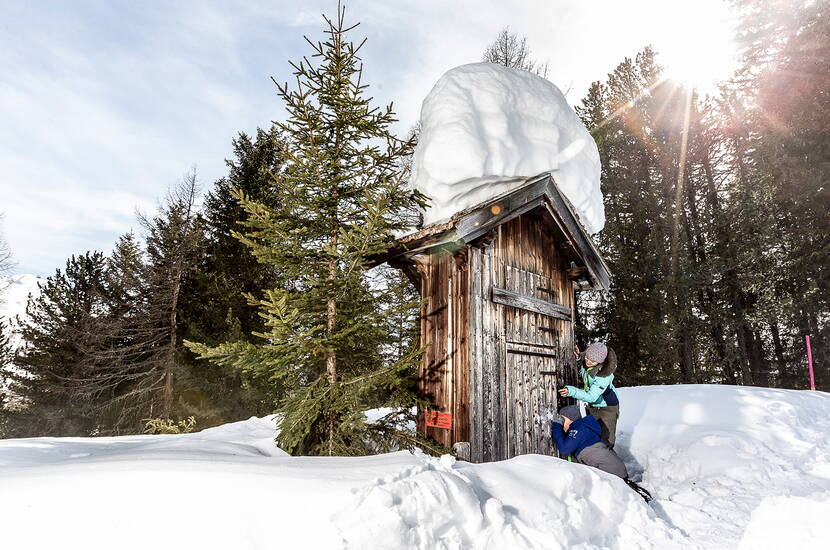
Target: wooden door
x: 533, y: 324
x: 521, y: 340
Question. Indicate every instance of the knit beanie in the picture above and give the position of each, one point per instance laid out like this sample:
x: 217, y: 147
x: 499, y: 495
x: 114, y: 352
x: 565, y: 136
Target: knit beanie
x: 596, y: 352
x: 571, y: 412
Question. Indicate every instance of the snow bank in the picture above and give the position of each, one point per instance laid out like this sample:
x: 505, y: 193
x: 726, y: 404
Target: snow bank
x: 730, y: 468
x: 231, y: 487
x: 485, y: 128
x: 788, y: 522
x: 530, y: 501
x: 722, y: 460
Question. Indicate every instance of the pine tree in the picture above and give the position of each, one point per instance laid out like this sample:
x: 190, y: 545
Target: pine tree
x: 716, y: 231
x: 124, y: 274
x: 6, y: 355
x: 5, y: 329
x: 338, y: 201
x: 213, y: 306
x: 5, y: 346
x: 172, y: 237
x: 638, y: 182
x: 115, y: 365
x: 60, y: 329
x: 135, y: 374
x: 213, y: 298
x: 784, y: 80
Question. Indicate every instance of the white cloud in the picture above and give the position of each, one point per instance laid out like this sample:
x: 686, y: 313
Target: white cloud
x: 105, y: 105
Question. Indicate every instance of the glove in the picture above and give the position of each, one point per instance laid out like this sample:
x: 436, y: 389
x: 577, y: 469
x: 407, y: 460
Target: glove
x: 557, y: 418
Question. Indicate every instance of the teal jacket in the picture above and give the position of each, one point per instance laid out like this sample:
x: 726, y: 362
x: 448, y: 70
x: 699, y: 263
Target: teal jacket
x: 598, y: 383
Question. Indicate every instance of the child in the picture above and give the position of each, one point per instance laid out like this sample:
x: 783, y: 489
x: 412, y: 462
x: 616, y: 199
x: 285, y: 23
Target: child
x: 580, y: 437
x: 598, y: 366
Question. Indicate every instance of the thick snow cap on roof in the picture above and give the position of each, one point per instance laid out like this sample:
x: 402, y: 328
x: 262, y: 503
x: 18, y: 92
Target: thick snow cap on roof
x: 485, y: 128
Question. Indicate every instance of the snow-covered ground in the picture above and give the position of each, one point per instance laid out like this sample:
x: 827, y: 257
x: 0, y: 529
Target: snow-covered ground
x: 485, y: 129
x: 729, y: 467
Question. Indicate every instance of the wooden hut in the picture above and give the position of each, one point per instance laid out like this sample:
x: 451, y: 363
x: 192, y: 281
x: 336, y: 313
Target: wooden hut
x: 498, y: 283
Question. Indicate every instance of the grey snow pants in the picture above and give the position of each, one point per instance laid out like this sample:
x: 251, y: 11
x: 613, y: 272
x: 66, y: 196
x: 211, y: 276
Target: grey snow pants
x: 602, y: 458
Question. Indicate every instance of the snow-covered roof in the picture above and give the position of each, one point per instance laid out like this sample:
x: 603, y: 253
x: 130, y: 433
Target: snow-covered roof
x: 485, y: 129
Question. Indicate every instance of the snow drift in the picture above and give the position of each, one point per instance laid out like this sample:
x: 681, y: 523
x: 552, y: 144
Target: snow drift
x: 730, y: 467
x: 719, y: 458
x: 486, y: 128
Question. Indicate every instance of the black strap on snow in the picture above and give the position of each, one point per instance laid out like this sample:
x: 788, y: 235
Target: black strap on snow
x: 639, y: 490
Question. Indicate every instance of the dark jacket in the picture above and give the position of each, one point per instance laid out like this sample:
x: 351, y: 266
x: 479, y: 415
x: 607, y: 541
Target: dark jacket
x: 583, y: 433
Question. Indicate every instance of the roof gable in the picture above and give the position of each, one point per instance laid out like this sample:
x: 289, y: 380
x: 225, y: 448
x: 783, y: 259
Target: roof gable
x: 469, y: 224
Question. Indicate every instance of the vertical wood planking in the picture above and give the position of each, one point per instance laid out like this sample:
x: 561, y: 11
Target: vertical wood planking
x: 495, y: 423
x: 433, y: 373
x: 525, y: 259
x: 461, y: 373
x: 474, y: 385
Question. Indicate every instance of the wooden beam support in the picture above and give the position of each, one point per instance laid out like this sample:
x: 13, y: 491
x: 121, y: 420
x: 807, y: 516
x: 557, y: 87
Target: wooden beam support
x: 576, y: 273
x: 512, y: 205
x: 531, y: 352
x: 514, y: 299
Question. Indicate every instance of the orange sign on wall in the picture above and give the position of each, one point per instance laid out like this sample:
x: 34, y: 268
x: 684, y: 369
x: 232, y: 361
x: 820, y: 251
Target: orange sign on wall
x: 435, y: 419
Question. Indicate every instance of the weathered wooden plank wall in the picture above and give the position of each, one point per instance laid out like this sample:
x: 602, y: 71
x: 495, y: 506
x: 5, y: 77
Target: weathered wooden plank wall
x: 487, y: 415
x: 444, y: 369
x: 459, y: 348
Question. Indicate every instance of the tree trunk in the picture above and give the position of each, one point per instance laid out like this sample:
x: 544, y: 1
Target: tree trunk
x: 331, y: 320
x: 779, y: 350
x: 171, y: 345
x: 744, y: 334
x: 331, y: 356
x: 724, y: 251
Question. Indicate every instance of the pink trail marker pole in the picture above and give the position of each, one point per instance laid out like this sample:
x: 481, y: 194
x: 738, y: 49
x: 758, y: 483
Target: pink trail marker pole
x: 810, y: 364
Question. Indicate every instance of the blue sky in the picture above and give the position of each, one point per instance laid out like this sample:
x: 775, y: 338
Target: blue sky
x: 104, y: 105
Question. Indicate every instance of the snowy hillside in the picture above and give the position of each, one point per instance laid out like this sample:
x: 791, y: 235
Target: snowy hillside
x: 486, y: 128
x: 730, y: 468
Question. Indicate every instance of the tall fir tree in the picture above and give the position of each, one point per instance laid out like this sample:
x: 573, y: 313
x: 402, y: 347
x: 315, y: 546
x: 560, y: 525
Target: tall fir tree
x: 214, y: 293
x: 716, y: 211
x: 213, y: 305
x: 5, y: 346
x: 636, y: 179
x: 337, y: 203
x: 114, y: 366
x: 5, y: 362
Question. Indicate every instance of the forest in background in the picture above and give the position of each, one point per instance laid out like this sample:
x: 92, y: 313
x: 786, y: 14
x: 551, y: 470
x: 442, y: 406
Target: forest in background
x: 717, y: 236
